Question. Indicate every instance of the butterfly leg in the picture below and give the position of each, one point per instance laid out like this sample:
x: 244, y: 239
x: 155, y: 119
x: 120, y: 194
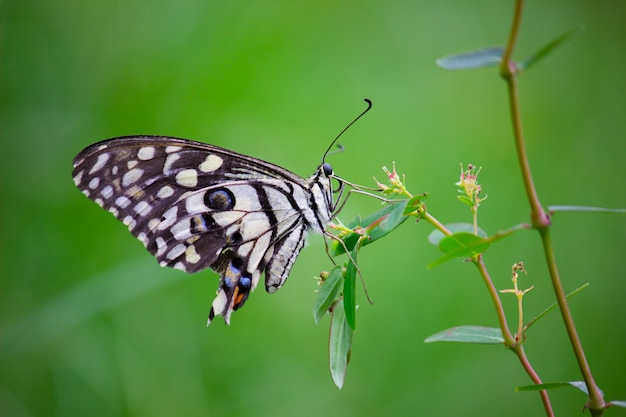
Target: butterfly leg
x: 352, y: 260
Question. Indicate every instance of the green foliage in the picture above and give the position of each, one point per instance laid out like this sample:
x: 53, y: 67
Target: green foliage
x: 579, y: 385
x: 547, y: 49
x: 480, y: 58
x: 469, y: 334
x: 328, y: 293
x: 339, y: 344
x: 373, y: 227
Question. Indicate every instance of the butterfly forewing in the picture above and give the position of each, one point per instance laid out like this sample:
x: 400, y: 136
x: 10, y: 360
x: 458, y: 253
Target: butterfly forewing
x: 197, y: 206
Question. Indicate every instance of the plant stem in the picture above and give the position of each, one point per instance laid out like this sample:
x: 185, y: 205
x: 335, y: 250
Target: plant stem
x: 509, y: 340
x: 521, y: 355
x: 508, y: 71
x: 436, y: 223
x: 539, y: 218
x: 596, y: 402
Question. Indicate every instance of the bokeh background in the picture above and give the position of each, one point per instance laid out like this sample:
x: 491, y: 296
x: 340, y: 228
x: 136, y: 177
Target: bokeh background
x: 90, y: 325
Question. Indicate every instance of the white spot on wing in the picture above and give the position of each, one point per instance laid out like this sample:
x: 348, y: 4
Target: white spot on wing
x: 113, y: 211
x: 93, y: 184
x: 171, y: 149
x: 169, y: 161
x: 165, y: 191
x: 122, y: 202
x: 176, y: 251
x: 132, y: 164
x: 191, y: 255
x: 143, y: 208
x: 211, y: 163
x: 169, y: 217
x: 187, y: 178
x: 78, y: 177
x: 130, y: 222
x: 107, y: 192
x: 145, y: 153
x: 161, y: 246
x: 131, y: 176
x: 143, y: 238
x: 153, y: 224
x: 181, y: 230
x: 219, y: 304
x: 180, y: 266
x: 102, y: 159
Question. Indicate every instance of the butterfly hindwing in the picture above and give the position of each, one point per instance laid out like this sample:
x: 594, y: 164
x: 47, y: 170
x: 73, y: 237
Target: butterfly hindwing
x: 197, y: 206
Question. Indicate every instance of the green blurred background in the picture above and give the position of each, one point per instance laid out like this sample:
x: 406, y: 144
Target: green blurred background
x: 90, y: 325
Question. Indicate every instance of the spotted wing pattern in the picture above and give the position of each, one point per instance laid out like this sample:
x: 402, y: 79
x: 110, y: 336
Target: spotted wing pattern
x: 197, y: 206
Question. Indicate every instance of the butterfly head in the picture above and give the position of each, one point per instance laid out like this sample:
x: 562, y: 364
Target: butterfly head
x: 327, y: 169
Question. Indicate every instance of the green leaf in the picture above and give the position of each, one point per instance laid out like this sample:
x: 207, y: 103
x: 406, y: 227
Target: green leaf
x: 377, y: 224
x: 328, y: 293
x: 463, y: 244
x: 466, y: 200
x: 349, y: 289
x: 479, y: 58
x: 469, y: 334
x: 336, y: 248
x: 546, y: 49
x: 339, y: 344
x: 554, y: 209
x: 436, y: 235
x: 413, y: 204
x: 387, y: 224
x: 460, y: 245
x: 579, y: 385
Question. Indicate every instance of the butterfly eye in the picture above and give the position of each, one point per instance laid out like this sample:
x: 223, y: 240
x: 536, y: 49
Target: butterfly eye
x: 328, y: 170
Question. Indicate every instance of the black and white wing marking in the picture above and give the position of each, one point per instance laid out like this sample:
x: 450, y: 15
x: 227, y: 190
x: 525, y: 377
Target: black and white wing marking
x: 197, y: 206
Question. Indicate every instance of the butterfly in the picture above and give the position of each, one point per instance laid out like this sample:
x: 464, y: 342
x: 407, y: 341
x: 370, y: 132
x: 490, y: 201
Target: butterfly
x: 197, y: 206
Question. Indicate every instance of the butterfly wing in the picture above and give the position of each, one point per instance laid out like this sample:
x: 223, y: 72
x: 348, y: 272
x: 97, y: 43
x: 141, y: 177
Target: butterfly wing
x: 197, y: 206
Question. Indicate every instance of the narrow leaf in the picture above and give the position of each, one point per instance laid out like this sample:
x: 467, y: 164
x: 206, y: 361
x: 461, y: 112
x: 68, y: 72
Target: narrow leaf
x: 349, y: 289
x: 469, y: 334
x: 480, y: 58
x: 436, y: 235
x: 376, y: 225
x: 546, y: 49
x: 554, y: 209
x: 339, y: 344
x: 387, y: 224
x: 466, y: 200
x: 547, y: 310
x: 328, y: 293
x: 579, y: 385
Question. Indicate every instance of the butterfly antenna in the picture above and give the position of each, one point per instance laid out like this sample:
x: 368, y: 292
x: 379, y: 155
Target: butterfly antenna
x: 369, y: 106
